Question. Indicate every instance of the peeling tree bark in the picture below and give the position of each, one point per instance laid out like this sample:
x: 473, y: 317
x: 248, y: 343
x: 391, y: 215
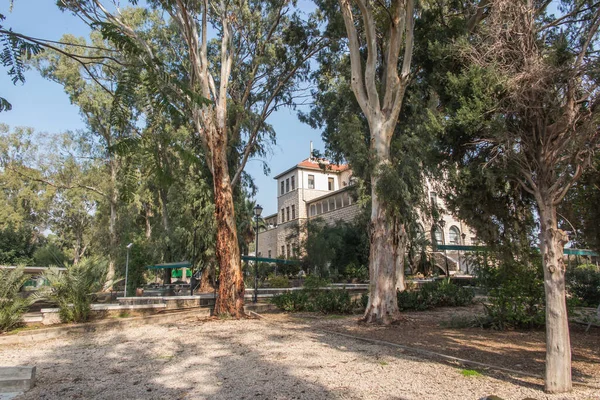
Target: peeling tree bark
x: 231, y: 283
x: 558, y: 342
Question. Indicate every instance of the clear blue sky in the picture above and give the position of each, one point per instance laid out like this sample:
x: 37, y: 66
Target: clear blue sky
x: 43, y: 105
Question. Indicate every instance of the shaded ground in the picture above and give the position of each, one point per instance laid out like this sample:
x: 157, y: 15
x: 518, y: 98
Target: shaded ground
x: 517, y: 350
x: 250, y: 359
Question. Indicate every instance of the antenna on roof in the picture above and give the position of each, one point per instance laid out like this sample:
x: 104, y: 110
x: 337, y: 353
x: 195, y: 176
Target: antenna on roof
x: 311, y: 151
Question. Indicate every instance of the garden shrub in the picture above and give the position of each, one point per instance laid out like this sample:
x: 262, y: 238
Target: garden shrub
x: 336, y: 301
x: 12, y: 304
x: 435, y: 294
x: 583, y: 285
x: 315, y: 282
x: 295, y: 301
x: 73, y: 290
x: 279, y: 281
x: 515, y: 294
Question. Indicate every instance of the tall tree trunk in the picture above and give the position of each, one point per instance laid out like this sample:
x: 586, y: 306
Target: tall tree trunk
x: 400, y: 249
x: 165, y: 212
x: 112, y: 227
x: 558, y: 344
x: 382, y: 307
x: 147, y: 218
x: 231, y: 283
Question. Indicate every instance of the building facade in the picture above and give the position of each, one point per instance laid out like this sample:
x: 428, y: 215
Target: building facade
x: 314, y: 188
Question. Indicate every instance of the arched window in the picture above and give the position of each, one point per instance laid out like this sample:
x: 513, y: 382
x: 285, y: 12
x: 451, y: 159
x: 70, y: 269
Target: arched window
x: 438, y: 236
x: 454, y: 235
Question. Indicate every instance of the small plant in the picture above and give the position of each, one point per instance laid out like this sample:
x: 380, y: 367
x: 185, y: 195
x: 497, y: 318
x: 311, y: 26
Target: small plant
x: 12, y: 304
x: 470, y: 372
x: 73, y: 290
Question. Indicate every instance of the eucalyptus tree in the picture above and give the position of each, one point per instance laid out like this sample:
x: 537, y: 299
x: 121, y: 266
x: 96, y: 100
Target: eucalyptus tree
x: 528, y: 100
x: 226, y: 87
x: 387, y: 37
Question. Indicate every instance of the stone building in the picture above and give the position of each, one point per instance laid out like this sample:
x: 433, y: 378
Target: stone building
x: 314, y: 188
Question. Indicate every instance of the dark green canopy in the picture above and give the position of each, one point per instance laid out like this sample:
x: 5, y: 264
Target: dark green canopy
x: 180, y: 264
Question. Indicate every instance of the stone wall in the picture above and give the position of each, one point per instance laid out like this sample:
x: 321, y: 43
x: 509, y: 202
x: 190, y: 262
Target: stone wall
x: 346, y: 214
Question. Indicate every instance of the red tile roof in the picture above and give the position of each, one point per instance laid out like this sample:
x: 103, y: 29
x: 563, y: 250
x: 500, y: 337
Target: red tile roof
x: 316, y: 165
x: 328, y: 166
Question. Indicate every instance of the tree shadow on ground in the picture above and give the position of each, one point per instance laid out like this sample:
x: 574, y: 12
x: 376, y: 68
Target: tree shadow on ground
x: 187, y: 360
x: 516, y: 350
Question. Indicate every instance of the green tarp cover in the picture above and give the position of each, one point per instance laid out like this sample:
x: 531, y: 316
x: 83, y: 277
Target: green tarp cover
x: 178, y: 273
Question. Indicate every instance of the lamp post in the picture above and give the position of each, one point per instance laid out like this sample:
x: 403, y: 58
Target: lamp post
x: 257, y: 211
x: 127, y: 269
x: 442, y: 224
x: 464, y: 236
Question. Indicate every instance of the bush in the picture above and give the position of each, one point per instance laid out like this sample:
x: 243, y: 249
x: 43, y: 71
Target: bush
x: 12, y: 305
x: 435, y: 294
x: 515, y: 295
x: 279, y: 281
x: 335, y: 301
x: 73, y: 290
x: 294, y: 301
x: 312, y: 282
x: 583, y: 284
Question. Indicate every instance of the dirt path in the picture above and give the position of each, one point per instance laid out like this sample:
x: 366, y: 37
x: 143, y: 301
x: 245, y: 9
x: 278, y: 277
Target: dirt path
x: 251, y: 359
x: 518, y: 350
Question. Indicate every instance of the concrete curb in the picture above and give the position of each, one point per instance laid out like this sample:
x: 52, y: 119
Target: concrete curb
x: 16, y: 379
x: 51, y: 333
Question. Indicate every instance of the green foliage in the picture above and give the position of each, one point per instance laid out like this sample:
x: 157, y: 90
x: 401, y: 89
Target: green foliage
x: 48, y: 255
x: 339, y: 251
x: 515, y: 293
x: 293, y: 301
x: 326, y: 301
x: 17, y: 246
x: 583, y: 284
x: 442, y: 293
x: 312, y: 282
x: 14, y: 51
x: 12, y: 304
x: 73, y: 290
x: 336, y: 301
x: 470, y: 372
x: 279, y: 281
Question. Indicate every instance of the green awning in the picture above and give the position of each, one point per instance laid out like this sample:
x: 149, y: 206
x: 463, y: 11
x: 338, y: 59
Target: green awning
x: 454, y: 247
x: 580, y: 252
x: 270, y: 260
x: 180, y: 264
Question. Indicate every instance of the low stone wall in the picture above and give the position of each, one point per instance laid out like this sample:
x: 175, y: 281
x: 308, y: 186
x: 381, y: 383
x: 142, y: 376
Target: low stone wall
x: 170, y: 302
x: 50, y: 316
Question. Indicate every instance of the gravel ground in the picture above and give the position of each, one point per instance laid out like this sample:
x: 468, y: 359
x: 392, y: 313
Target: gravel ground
x: 249, y: 359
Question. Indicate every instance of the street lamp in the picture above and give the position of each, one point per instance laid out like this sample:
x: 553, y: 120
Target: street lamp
x: 257, y: 211
x: 442, y: 224
x: 464, y: 242
x: 127, y: 268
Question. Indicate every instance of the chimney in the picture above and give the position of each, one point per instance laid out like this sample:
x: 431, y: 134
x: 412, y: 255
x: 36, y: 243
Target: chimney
x: 311, y: 151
